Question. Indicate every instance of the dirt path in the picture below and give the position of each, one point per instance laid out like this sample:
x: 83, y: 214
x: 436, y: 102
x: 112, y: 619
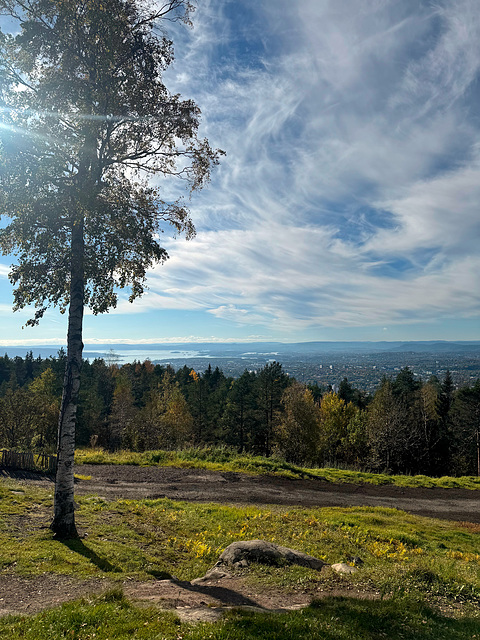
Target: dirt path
x: 198, y: 485
x: 192, y: 602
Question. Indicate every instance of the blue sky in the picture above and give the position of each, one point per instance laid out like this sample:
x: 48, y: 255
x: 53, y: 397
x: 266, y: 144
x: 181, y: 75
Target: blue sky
x: 347, y: 206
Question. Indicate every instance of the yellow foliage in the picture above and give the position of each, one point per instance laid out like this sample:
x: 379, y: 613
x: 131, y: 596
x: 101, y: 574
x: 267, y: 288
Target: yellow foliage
x: 194, y: 375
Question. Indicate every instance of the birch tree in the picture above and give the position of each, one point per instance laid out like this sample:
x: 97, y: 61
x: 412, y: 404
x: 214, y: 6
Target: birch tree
x: 86, y: 122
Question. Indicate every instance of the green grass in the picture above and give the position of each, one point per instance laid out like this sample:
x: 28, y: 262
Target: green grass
x: 225, y: 459
x: 421, y: 567
x: 147, y: 538
x: 112, y: 617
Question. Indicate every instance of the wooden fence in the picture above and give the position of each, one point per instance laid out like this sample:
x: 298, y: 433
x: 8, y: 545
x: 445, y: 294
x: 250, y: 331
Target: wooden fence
x: 28, y: 461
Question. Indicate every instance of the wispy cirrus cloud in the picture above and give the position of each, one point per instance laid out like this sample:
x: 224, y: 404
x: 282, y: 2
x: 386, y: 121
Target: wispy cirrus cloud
x: 349, y: 193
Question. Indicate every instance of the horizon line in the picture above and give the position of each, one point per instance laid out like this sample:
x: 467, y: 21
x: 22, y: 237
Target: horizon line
x: 192, y: 341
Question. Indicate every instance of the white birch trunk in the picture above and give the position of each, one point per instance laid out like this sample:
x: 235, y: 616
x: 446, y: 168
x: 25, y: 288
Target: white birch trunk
x: 63, y: 524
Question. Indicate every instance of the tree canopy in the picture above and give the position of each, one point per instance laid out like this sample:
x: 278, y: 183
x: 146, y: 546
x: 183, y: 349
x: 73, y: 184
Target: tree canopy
x: 86, y: 120
x: 86, y: 123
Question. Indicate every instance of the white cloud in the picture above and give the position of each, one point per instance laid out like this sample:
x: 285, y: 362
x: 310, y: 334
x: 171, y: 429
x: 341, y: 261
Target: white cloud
x: 7, y: 309
x: 32, y: 342
x: 173, y: 340
x: 295, y: 278
x: 152, y: 340
x: 349, y: 194
x: 451, y: 65
x: 345, y: 118
x: 149, y: 301
x: 441, y: 213
x: 241, y: 316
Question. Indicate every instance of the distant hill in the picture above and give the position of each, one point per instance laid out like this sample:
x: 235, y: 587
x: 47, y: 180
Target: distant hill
x: 438, y: 347
x: 274, y: 350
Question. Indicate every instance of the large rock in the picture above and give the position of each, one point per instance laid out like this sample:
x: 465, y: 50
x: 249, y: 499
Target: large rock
x: 267, y: 553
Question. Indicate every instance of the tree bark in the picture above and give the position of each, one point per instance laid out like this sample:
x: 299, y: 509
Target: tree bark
x: 478, y: 452
x: 63, y: 524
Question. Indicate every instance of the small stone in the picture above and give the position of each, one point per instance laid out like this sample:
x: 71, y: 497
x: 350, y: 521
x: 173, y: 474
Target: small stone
x: 343, y: 567
x: 213, y: 574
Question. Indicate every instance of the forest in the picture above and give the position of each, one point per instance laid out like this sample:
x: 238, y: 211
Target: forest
x: 407, y: 426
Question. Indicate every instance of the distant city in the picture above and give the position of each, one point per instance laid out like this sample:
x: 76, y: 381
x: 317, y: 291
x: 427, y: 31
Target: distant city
x: 325, y: 363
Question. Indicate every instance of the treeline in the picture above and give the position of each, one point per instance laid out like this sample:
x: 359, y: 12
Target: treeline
x: 406, y: 426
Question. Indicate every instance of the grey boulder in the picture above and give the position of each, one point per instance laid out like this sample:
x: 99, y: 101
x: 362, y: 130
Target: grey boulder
x: 267, y: 553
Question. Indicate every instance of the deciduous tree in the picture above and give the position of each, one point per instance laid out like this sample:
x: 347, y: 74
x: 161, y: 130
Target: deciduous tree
x: 335, y: 415
x: 466, y: 419
x: 123, y: 417
x: 298, y: 429
x: 167, y: 421
x: 86, y: 119
x: 45, y: 404
x: 16, y: 419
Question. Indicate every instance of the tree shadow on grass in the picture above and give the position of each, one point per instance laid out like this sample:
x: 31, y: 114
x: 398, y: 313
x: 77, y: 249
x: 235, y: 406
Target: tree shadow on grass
x: 23, y: 474
x: 77, y: 546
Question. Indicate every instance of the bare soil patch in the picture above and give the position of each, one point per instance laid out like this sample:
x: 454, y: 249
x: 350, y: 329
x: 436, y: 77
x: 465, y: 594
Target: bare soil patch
x: 209, y: 600
x: 192, y: 602
x: 20, y: 595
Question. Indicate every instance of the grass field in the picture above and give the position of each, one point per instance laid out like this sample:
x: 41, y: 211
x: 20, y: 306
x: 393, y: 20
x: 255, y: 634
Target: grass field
x: 225, y: 459
x: 113, y: 618
x: 426, y: 571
